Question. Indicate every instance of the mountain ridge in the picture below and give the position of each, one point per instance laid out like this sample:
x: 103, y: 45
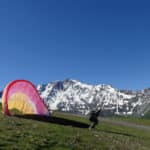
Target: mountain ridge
x: 77, y: 97
x: 74, y: 96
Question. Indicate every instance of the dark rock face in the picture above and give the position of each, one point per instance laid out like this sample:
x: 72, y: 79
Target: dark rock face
x: 1, y: 93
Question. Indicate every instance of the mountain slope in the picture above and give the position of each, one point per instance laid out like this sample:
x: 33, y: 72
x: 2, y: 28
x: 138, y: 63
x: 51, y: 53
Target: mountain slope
x: 74, y: 96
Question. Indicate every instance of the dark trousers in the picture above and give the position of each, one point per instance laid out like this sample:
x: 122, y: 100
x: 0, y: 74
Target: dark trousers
x: 92, y: 125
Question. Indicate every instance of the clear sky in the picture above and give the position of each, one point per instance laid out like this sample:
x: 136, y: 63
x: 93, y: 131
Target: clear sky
x: 88, y: 40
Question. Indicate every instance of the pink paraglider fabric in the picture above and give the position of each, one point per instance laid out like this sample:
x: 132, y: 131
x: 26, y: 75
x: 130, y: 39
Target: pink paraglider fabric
x: 22, y: 95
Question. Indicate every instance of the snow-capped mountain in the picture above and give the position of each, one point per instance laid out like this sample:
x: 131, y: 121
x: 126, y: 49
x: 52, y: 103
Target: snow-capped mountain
x: 74, y: 96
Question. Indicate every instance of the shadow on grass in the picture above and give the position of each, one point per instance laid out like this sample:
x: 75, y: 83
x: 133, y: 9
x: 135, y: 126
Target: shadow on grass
x: 55, y: 120
x: 119, y: 133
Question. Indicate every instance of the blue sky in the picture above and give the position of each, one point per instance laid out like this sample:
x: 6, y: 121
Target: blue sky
x: 88, y: 40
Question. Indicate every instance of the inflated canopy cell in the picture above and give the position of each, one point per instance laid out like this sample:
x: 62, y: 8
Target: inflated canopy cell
x: 23, y: 96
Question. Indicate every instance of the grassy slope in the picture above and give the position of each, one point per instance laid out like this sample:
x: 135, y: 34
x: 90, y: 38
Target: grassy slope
x: 140, y: 121
x: 17, y: 133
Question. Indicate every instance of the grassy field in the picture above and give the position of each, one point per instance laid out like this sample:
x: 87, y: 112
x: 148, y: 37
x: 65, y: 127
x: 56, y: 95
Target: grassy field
x: 66, y: 132
x: 69, y: 132
x: 139, y: 121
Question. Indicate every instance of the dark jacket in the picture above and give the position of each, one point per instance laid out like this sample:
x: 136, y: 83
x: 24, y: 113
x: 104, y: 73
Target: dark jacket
x: 94, y: 116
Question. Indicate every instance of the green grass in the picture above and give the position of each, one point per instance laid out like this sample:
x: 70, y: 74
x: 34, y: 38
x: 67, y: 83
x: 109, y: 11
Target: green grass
x: 17, y: 133
x: 130, y: 119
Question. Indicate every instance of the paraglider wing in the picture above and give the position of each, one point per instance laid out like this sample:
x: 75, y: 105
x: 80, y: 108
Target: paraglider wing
x: 23, y: 96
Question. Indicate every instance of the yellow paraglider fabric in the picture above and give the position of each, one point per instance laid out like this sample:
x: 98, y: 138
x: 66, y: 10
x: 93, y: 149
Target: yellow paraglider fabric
x: 21, y: 102
x: 23, y: 96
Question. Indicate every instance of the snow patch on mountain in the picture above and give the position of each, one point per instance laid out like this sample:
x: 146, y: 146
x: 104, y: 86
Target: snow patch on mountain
x: 77, y: 97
